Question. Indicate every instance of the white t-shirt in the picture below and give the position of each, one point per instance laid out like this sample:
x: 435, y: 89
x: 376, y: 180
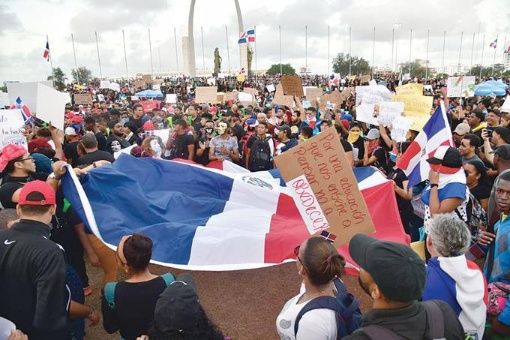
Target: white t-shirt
x: 317, y: 324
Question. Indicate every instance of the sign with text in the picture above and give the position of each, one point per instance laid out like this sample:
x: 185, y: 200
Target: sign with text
x: 206, y: 95
x: 463, y: 86
x: 281, y: 99
x: 292, y: 86
x: 410, y: 89
x: 330, y: 100
x: 11, y: 124
x: 149, y: 105
x: 82, y: 98
x: 324, y: 187
x: 139, y: 84
x: 416, y: 108
x: 312, y: 93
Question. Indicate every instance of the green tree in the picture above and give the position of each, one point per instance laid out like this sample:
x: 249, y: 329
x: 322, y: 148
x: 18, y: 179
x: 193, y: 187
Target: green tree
x: 81, y: 75
x: 358, y: 65
x: 414, y: 68
x: 487, y: 71
x: 286, y: 69
x: 58, y: 78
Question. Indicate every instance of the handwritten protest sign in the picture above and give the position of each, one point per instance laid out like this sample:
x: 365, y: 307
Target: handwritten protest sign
x: 149, y: 105
x: 11, y: 124
x: 82, y: 98
x: 292, y: 86
x: 346, y: 93
x: 463, y: 86
x: 416, y: 108
x: 330, y: 100
x: 281, y: 99
x: 324, y: 187
x: 206, y: 94
x: 410, y: 89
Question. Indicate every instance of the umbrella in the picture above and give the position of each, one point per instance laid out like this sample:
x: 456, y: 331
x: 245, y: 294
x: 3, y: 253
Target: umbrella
x: 150, y: 94
x: 491, y: 88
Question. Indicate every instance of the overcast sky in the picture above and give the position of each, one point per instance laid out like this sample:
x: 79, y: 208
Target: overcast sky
x: 25, y: 23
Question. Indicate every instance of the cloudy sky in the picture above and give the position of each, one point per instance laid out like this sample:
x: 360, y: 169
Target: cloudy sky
x: 24, y: 25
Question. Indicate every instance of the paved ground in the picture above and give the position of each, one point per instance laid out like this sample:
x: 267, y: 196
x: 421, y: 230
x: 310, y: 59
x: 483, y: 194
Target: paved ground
x: 244, y: 304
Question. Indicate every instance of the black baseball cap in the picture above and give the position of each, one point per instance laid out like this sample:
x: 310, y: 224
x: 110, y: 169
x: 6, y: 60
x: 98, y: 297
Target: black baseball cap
x: 177, y: 308
x: 447, y: 156
x: 396, y: 269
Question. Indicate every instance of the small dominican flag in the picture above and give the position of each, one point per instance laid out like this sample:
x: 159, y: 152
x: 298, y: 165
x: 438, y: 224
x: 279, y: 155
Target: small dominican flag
x: 328, y: 236
x: 46, y: 54
x: 243, y: 38
x: 251, y: 35
x: 494, y: 44
x: 25, y: 111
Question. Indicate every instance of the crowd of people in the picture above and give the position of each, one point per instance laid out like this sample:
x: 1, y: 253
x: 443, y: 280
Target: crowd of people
x: 459, y: 214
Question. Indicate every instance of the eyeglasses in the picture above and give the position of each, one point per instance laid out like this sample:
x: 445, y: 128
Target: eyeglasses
x: 26, y: 159
x: 296, y: 253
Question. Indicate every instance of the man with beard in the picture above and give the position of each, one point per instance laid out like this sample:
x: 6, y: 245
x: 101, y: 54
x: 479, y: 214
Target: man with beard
x: 394, y: 276
x: 116, y: 140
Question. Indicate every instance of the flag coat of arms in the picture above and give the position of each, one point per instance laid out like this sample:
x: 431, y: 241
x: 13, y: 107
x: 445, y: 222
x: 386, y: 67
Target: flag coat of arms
x: 208, y: 219
x: 494, y: 44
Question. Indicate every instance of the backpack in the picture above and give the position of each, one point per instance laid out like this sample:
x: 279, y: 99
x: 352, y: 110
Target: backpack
x: 435, y: 321
x: 109, y: 289
x: 243, y: 143
x: 346, y: 306
x: 475, y: 219
x: 260, y: 155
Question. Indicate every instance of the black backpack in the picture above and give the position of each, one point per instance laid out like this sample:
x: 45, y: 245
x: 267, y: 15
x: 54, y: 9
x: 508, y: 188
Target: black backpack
x: 260, y: 155
x: 346, y: 306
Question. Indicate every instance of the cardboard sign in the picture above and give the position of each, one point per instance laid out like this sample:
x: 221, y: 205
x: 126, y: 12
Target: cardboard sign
x: 251, y: 91
x: 416, y: 108
x: 148, y: 105
x: 220, y: 97
x: 410, y: 89
x: 334, y: 99
x: 324, y: 187
x: 365, y: 78
x: 11, y: 124
x: 83, y: 98
x: 346, y: 93
x: 51, y: 105
x: 147, y: 78
x: 281, y: 99
x: 292, y: 86
x: 312, y: 93
x: 206, y: 95
x: 139, y: 84
x: 463, y: 86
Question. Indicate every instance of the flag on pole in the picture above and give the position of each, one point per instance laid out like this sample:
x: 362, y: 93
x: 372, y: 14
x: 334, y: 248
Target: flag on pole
x: 243, y: 38
x: 494, y: 44
x: 46, y: 54
x: 251, y: 35
x: 435, y: 133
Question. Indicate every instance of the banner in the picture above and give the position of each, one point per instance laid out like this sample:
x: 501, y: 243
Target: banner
x: 416, y: 108
x: 11, y: 124
x: 463, y: 86
x: 206, y: 95
x: 324, y: 187
x: 292, y: 86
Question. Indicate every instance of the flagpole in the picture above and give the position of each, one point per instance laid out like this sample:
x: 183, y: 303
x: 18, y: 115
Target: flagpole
x: 396, y: 47
x: 350, y: 50
x: 444, y: 45
x: 256, y: 66
x: 481, y: 62
x: 159, y: 59
x: 494, y: 58
x: 373, y: 54
x: 393, y: 48
x: 203, y: 51
x: 150, y: 50
x: 280, y: 34
x: 74, y: 53
x: 410, y: 47
x: 504, y: 49
x: 328, y: 52
x: 98, y: 57
x: 51, y: 62
x: 472, y: 53
x: 125, y: 55
x: 306, y: 49
x: 176, y: 51
x: 228, y: 50
x: 460, y: 52
x: 427, y: 56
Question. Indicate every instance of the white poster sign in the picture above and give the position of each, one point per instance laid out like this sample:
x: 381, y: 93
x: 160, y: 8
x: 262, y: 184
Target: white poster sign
x: 51, y: 105
x: 115, y: 87
x: 171, y: 98
x: 104, y: 84
x: 27, y: 92
x: 4, y: 100
x: 463, y: 86
x: 506, y: 105
x: 245, y: 97
x: 270, y: 88
x: 11, y: 124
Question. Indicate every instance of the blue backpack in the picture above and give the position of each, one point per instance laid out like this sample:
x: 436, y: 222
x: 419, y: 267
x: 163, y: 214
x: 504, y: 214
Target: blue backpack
x: 109, y: 289
x: 346, y: 306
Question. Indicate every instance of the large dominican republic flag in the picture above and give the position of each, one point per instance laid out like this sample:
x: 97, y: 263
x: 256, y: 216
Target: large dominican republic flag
x: 435, y: 133
x: 208, y: 219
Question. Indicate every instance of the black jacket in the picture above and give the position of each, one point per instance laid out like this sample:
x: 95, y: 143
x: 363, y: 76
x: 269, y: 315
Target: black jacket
x: 409, y: 322
x: 33, y: 293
